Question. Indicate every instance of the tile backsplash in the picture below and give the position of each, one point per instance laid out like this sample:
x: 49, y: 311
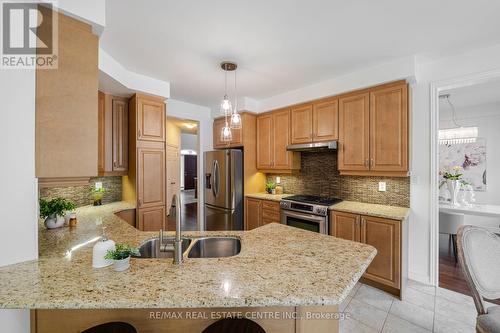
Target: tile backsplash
x: 319, y: 176
x: 80, y: 195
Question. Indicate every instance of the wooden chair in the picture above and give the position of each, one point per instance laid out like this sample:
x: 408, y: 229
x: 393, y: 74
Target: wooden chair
x: 479, y: 257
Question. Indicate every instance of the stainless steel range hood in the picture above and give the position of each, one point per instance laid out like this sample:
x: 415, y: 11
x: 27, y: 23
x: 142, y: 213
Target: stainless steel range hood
x: 315, y: 146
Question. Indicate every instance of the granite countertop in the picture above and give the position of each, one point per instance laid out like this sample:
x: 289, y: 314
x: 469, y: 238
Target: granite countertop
x: 390, y: 212
x: 277, y: 266
x: 267, y: 196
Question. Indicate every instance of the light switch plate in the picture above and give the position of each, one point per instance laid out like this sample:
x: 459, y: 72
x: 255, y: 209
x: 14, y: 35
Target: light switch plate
x: 382, y: 186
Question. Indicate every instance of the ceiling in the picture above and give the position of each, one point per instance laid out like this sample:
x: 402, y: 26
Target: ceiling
x: 186, y: 126
x: 479, y: 94
x: 281, y: 45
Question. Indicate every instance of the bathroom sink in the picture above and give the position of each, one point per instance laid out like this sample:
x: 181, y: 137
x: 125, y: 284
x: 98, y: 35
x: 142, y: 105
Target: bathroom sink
x: 215, y: 247
x: 151, y: 248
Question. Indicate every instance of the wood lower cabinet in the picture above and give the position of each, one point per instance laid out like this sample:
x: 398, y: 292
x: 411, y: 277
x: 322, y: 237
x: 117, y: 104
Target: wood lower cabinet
x: 260, y: 212
x: 273, y: 136
x: 383, y: 234
x: 345, y: 226
x: 152, y: 218
x: 113, y: 135
x: 373, y: 132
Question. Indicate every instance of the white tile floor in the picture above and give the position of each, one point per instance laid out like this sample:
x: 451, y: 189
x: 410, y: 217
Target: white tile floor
x: 424, y: 309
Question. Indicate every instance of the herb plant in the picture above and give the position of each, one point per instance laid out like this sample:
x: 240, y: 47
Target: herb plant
x: 122, y: 251
x: 55, y: 207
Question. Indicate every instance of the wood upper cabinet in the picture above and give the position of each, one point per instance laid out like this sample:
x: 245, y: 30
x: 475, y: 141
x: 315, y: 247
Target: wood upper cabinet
x: 315, y: 122
x: 345, y: 226
x: 302, y: 124
x: 326, y: 121
x: 150, y: 177
x: 151, y: 219
x: 354, y: 132
x: 237, y: 134
x: 67, y: 103
x: 283, y: 159
x: 373, y: 132
x: 253, y: 213
x: 265, y: 149
x: 150, y: 119
x: 120, y: 135
x: 273, y: 136
x: 389, y: 128
x: 112, y: 135
x: 385, y: 236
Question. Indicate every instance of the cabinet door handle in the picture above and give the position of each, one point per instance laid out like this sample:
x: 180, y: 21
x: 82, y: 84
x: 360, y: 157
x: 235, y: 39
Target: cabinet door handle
x: 371, y: 163
x: 138, y: 132
x: 114, y: 164
x: 140, y: 202
x: 367, y: 163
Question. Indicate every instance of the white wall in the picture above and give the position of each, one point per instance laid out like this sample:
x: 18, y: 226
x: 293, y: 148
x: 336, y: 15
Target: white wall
x: 92, y: 12
x: 18, y: 190
x: 201, y: 114
x: 476, y: 61
x: 189, y: 141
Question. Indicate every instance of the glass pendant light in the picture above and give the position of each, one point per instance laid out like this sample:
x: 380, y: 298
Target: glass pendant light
x: 225, y: 105
x: 235, y: 116
x: 225, y: 134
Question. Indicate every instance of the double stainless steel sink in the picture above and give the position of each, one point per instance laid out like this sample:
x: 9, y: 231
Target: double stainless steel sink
x: 206, y: 247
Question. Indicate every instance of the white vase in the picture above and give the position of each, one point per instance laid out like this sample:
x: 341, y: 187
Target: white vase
x: 454, y: 188
x: 121, y: 265
x: 53, y: 222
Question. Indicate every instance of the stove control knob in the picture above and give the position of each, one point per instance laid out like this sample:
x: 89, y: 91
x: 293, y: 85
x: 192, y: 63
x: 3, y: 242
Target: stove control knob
x: 321, y: 211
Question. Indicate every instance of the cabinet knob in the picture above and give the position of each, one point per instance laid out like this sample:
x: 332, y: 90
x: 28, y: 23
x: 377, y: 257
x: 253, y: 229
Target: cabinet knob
x: 140, y: 202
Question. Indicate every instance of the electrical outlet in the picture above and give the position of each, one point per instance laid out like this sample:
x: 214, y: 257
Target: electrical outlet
x: 278, y: 180
x: 382, y: 186
x: 98, y: 185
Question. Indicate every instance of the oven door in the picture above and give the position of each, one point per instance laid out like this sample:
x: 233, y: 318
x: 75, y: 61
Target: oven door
x: 305, y: 221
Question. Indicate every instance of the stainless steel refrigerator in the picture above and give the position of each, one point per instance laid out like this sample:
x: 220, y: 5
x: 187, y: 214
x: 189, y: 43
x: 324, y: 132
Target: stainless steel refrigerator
x: 224, y: 190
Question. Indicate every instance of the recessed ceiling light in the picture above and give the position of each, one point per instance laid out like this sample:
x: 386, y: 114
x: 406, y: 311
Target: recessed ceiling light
x: 189, y: 125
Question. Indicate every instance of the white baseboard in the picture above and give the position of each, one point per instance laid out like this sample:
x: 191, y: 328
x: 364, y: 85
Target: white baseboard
x: 426, y: 279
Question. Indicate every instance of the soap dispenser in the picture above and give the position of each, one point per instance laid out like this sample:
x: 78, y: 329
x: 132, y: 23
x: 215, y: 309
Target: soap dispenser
x: 100, y: 249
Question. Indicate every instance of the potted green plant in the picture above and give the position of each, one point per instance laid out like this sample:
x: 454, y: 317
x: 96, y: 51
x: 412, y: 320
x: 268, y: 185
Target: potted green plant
x: 97, y: 195
x: 271, y: 187
x: 121, y: 256
x: 53, y: 211
x: 453, y: 180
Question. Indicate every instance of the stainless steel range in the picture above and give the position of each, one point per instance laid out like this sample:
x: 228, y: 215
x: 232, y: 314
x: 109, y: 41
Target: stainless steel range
x: 307, y: 212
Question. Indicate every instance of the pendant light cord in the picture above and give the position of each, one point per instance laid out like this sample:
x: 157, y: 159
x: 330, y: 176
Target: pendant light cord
x: 235, y: 110
x: 453, y: 113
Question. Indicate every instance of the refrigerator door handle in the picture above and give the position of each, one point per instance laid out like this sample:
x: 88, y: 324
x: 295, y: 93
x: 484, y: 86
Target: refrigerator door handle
x: 216, y: 177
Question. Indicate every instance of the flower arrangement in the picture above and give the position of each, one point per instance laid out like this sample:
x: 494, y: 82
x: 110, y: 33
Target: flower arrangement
x: 453, y: 174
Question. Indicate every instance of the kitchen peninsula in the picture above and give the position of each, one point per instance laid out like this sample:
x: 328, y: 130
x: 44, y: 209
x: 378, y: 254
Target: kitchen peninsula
x: 279, y: 268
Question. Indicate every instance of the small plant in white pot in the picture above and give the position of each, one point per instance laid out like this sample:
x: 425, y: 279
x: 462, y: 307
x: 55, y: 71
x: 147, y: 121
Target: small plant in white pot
x: 53, y: 211
x: 121, y: 256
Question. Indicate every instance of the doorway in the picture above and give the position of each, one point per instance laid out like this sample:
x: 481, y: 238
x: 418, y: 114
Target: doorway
x: 182, y: 166
x: 466, y: 118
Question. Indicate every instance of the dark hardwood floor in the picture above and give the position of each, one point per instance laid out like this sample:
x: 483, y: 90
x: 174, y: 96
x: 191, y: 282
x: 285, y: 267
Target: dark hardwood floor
x: 189, y: 214
x: 450, y: 273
